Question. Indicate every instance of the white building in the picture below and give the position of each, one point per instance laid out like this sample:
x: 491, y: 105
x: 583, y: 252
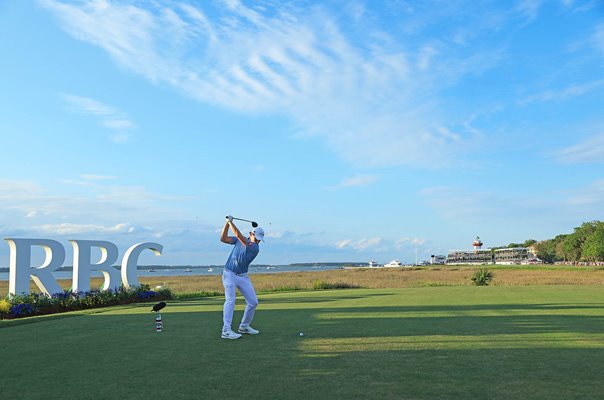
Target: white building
x: 458, y: 257
x: 515, y: 255
x: 439, y: 260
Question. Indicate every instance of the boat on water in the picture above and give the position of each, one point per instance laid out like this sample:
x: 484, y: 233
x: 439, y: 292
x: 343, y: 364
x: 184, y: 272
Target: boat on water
x: 210, y: 269
x: 393, y: 263
x: 151, y: 270
x: 188, y: 270
x: 373, y: 264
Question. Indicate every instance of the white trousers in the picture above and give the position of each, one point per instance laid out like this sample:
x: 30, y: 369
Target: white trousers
x: 231, y: 282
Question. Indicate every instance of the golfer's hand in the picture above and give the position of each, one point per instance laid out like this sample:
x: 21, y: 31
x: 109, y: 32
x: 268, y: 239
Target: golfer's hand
x: 229, y: 218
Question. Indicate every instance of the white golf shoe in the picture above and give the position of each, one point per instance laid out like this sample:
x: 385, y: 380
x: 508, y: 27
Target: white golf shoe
x: 229, y: 334
x: 248, y: 330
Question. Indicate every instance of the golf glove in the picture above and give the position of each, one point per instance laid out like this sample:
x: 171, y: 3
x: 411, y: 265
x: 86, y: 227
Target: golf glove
x: 230, y: 218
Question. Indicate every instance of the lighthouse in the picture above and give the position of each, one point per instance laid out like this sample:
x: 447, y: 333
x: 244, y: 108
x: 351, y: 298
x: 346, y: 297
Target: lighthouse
x: 477, y: 244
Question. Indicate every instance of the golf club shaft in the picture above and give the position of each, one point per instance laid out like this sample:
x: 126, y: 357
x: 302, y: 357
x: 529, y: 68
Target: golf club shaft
x: 241, y: 219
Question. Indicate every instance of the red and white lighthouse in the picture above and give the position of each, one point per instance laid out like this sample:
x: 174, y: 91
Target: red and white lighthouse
x: 477, y: 244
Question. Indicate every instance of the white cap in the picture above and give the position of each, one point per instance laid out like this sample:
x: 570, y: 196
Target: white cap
x: 259, y: 233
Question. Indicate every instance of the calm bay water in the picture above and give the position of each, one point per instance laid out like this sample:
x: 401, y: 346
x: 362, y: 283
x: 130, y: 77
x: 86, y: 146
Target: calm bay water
x: 209, y: 270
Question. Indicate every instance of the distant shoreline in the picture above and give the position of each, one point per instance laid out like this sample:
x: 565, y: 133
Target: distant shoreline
x: 164, y: 267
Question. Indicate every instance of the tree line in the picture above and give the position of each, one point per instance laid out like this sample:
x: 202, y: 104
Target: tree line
x: 585, y: 244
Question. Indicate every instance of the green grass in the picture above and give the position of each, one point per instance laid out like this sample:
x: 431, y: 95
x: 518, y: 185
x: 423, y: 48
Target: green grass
x: 462, y: 342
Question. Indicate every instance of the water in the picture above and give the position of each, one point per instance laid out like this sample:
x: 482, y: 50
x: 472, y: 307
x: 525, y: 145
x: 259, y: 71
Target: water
x: 159, y: 271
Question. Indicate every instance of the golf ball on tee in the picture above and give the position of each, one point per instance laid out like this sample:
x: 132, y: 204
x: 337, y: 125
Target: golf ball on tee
x: 301, y: 333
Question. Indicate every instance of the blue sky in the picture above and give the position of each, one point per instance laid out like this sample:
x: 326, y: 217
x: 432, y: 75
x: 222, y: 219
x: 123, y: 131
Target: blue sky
x: 349, y: 130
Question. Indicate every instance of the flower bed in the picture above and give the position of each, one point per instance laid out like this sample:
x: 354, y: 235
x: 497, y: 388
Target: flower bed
x: 40, y: 304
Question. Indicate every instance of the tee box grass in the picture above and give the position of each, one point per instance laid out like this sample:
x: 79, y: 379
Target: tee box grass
x: 462, y: 342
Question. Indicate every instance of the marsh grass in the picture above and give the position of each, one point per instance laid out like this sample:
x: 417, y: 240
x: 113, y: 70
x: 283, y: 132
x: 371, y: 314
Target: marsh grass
x: 370, y: 278
x: 324, y: 285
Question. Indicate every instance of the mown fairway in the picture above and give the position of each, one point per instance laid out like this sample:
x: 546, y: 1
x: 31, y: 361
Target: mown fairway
x: 501, y: 342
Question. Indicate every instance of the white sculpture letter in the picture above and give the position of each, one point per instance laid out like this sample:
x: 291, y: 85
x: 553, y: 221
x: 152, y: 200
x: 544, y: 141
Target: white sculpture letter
x: 130, y: 261
x: 20, y: 265
x: 82, y: 265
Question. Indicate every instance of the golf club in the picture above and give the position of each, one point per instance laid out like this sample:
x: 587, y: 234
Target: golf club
x: 254, y: 224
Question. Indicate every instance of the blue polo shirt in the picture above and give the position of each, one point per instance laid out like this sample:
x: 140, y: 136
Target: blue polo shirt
x: 241, y: 256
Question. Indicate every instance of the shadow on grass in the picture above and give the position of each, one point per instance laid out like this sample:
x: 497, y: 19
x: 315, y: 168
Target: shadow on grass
x: 316, y: 297
x: 189, y: 360
x: 8, y: 323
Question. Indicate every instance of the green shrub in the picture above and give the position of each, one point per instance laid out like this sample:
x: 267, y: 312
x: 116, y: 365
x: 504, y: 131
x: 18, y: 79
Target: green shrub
x: 39, y: 304
x: 322, y: 285
x: 196, y: 295
x: 482, y: 277
x: 4, y: 306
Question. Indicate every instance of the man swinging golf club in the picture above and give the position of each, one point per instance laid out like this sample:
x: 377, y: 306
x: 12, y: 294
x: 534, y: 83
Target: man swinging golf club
x: 235, y: 277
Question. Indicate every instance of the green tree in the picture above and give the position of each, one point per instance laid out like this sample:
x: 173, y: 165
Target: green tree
x: 546, y: 250
x: 559, y: 247
x: 571, y: 246
x: 593, y: 246
x: 529, y: 242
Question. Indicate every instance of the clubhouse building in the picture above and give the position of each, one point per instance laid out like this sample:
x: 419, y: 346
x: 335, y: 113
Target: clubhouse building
x: 511, y: 255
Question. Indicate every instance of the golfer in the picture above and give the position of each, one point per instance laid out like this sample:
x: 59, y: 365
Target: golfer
x: 235, y: 277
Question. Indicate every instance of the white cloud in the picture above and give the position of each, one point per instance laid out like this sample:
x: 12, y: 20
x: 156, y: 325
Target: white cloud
x: 77, y: 229
x: 361, y: 244
x: 274, y: 235
x: 372, y: 100
x: 589, y: 151
x: 344, y: 243
x: 109, y: 116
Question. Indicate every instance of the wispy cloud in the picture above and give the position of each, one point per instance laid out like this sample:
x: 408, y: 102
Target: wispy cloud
x: 359, y: 180
x: 565, y: 93
x: 371, y: 98
x: 588, y: 151
x: 378, y: 244
x: 406, y: 241
x: 122, y: 214
x: 107, y: 115
x: 94, y: 202
x: 529, y: 9
x: 598, y: 38
x: 516, y: 207
x: 591, y: 196
x: 92, y: 177
x: 89, y: 180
